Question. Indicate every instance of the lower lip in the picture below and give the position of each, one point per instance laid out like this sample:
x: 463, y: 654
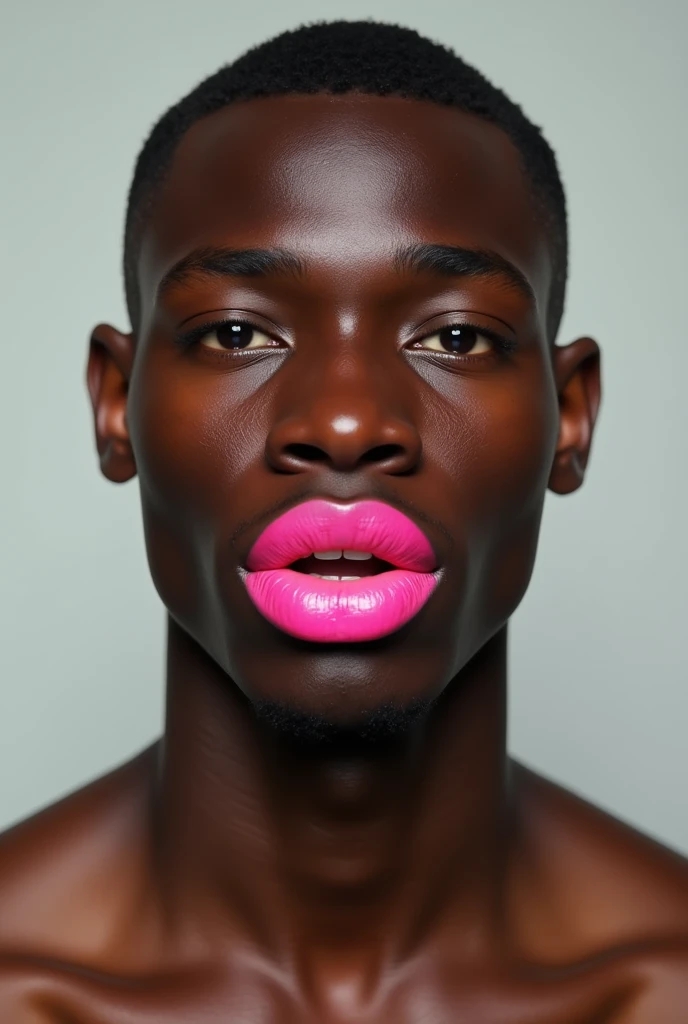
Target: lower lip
x: 332, y: 611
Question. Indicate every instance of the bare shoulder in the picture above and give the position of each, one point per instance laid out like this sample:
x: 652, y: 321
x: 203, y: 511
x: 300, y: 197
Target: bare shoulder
x: 602, y: 892
x: 68, y: 874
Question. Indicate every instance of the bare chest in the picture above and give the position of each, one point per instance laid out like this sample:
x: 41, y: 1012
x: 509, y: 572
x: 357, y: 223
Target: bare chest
x: 49, y: 994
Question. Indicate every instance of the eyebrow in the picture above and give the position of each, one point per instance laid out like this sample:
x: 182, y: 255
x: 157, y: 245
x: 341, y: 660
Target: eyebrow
x: 443, y: 260
x: 457, y: 261
x: 214, y: 261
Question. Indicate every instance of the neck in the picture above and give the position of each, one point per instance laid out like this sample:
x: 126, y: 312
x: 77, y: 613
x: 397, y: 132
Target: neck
x: 371, y: 853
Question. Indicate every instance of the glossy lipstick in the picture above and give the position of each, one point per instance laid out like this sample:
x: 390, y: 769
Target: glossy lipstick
x: 323, y: 610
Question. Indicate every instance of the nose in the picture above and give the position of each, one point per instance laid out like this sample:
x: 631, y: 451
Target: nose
x: 346, y: 431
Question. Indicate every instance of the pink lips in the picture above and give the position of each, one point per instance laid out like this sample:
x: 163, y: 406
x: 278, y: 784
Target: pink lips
x: 335, y: 611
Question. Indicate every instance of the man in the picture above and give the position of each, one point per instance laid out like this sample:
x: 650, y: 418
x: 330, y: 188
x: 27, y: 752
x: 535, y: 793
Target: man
x: 345, y: 266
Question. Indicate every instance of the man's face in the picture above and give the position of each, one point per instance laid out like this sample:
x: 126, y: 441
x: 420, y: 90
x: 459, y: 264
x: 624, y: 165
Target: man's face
x: 350, y: 389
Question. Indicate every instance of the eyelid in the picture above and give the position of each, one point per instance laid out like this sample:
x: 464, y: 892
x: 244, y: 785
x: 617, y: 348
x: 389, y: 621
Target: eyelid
x: 461, y: 318
x: 186, y: 339
x: 501, y: 342
x: 505, y: 344
x: 230, y: 314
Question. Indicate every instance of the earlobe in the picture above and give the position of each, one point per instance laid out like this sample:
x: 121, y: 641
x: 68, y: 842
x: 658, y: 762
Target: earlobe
x: 110, y: 361
x: 578, y: 382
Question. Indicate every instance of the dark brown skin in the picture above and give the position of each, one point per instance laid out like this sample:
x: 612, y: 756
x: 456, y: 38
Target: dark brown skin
x: 226, y: 874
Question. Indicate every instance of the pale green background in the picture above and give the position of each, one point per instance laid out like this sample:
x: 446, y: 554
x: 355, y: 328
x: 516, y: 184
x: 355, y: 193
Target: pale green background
x: 598, y: 648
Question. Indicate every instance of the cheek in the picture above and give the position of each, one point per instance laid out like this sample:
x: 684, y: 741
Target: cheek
x: 519, y: 436
x: 503, y: 439
x: 514, y: 443
x: 193, y: 434
x: 194, y: 439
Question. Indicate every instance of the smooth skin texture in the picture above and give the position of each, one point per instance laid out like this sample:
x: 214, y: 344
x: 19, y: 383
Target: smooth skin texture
x: 226, y: 873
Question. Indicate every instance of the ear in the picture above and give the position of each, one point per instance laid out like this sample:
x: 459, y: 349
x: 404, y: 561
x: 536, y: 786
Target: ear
x: 110, y: 360
x: 577, y: 378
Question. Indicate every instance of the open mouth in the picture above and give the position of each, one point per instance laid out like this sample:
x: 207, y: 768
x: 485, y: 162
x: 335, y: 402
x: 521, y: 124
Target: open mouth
x: 341, y: 565
x: 310, y: 572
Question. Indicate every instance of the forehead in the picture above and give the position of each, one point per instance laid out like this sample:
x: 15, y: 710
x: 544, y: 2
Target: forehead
x: 344, y: 180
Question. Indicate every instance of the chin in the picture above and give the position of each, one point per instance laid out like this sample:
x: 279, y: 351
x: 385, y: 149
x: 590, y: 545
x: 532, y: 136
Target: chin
x: 375, y: 727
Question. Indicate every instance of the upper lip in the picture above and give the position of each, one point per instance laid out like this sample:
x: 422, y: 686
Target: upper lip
x: 323, y: 524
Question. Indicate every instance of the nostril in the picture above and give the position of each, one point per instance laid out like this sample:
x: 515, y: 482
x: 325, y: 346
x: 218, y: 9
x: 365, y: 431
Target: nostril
x: 306, y: 452
x: 383, y: 453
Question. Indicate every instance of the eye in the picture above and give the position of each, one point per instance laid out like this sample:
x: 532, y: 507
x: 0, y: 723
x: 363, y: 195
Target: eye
x: 233, y: 335
x: 458, y: 339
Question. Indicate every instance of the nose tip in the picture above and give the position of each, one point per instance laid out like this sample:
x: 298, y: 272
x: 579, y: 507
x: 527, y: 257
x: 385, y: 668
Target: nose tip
x: 346, y: 441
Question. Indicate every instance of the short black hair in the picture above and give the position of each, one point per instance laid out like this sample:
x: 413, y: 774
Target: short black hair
x: 352, y: 56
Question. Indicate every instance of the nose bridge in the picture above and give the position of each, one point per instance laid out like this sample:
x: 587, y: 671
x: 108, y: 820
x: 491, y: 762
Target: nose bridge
x: 355, y: 376
x: 347, y: 403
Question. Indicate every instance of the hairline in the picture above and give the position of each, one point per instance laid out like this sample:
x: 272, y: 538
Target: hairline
x: 141, y: 208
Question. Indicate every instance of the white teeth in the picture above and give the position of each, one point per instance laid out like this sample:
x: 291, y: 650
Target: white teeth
x: 355, y: 556
x: 338, y: 578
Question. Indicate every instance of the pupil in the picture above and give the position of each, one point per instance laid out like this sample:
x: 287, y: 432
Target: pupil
x: 458, y: 339
x: 234, y: 335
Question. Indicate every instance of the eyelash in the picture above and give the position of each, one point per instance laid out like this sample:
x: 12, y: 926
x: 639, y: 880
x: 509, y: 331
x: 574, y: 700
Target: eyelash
x: 504, y: 346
